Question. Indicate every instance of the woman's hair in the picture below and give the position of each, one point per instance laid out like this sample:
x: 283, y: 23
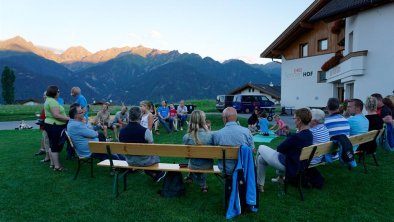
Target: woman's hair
x: 197, y: 122
x: 146, y: 103
x: 52, y: 91
x: 276, y: 116
x: 387, y: 101
x: 371, y: 104
x: 304, y: 114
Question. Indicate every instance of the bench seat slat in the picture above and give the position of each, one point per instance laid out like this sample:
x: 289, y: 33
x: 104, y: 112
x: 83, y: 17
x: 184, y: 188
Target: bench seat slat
x: 157, y: 167
x: 168, y: 150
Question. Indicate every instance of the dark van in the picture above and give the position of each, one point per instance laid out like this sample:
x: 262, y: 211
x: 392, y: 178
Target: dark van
x: 246, y: 103
x: 224, y: 101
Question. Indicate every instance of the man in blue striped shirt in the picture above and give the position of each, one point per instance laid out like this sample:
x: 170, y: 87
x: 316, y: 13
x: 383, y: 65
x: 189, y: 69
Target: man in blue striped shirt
x: 335, y: 122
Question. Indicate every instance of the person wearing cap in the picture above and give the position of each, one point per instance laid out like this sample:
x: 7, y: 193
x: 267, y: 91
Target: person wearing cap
x: 319, y: 131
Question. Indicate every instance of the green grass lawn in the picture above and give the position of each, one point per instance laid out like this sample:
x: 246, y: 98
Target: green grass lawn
x: 30, y: 191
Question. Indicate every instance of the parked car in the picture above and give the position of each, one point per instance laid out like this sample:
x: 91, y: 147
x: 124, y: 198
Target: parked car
x: 224, y: 101
x: 247, y: 103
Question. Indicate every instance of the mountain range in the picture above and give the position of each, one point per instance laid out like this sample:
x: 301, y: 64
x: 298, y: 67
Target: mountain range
x: 128, y: 74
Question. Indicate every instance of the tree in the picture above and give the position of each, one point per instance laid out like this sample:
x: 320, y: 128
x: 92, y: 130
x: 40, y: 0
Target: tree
x: 7, y: 83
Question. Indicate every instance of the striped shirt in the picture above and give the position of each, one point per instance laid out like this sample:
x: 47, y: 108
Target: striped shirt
x: 320, y: 135
x: 337, y: 124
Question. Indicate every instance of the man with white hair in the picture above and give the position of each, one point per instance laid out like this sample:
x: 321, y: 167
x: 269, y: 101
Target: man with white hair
x: 81, y: 100
x: 319, y: 131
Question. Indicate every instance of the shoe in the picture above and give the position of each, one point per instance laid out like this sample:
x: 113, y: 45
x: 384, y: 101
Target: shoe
x: 160, y: 176
x: 44, y: 160
x: 60, y: 169
x: 51, y: 166
x: 181, y: 128
x: 278, y: 180
x: 157, y: 132
x: 204, y: 189
x: 188, y: 179
x: 41, y: 152
x: 260, y: 188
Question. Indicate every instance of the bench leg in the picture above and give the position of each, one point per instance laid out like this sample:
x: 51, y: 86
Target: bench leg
x: 78, y: 168
x: 125, y: 180
x: 300, y: 187
x: 227, y: 190
x: 115, y: 185
x: 91, y: 167
x: 374, y: 159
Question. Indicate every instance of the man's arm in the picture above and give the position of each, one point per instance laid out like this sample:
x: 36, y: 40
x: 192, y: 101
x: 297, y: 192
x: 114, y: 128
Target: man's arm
x: 86, y: 132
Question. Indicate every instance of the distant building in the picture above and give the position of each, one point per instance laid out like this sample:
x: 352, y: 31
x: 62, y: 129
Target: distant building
x: 271, y: 91
x: 360, y: 31
x: 28, y: 102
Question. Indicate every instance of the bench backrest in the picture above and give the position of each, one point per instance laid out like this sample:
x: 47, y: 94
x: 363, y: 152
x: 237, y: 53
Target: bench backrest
x: 168, y: 150
x: 329, y: 147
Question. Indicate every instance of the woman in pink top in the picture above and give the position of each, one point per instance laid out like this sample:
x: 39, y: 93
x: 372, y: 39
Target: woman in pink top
x: 282, y: 129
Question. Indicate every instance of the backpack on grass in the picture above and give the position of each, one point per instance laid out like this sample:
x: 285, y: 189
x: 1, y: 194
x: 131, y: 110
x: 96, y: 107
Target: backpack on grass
x: 173, y: 185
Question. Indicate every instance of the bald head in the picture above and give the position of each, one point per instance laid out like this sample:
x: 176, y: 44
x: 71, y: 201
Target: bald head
x: 229, y: 115
x: 75, y: 91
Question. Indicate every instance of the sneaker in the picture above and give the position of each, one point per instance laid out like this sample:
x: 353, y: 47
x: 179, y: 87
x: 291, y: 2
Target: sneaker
x: 181, y: 128
x: 160, y: 176
x: 335, y: 156
x: 277, y: 180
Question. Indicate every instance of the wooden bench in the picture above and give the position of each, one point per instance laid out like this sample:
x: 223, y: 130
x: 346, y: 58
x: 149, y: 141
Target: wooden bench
x: 308, y: 153
x: 163, y: 150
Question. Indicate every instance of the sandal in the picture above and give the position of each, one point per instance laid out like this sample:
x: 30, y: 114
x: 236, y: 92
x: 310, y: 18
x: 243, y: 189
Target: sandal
x: 188, y: 179
x: 60, y: 169
x: 204, y: 189
x: 44, y: 160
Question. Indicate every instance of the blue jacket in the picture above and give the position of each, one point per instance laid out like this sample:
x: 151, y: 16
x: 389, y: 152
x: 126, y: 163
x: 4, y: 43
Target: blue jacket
x: 245, y: 162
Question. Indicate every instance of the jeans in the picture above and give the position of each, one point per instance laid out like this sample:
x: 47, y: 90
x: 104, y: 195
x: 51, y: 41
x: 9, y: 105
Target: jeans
x: 168, y: 128
x: 183, y: 119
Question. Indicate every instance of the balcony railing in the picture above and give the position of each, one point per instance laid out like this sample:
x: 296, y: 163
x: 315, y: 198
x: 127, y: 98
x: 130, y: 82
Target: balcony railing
x: 353, y: 64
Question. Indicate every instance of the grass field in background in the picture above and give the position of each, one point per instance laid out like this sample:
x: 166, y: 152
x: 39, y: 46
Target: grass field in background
x: 30, y: 191
x: 21, y: 112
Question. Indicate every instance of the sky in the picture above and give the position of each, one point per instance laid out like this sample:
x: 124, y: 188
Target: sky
x: 221, y: 29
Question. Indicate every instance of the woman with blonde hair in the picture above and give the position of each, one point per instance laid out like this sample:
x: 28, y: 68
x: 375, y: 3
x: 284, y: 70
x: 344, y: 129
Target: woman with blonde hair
x: 147, y: 117
x: 198, y: 134
x: 375, y: 123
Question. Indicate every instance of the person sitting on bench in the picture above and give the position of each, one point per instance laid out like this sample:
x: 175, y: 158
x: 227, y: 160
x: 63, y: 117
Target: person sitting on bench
x: 199, y: 134
x: 286, y: 158
x: 81, y: 134
x: 133, y: 132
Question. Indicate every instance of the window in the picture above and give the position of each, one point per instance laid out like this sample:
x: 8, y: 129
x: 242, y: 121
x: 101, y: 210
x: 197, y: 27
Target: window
x: 350, y: 45
x: 304, y: 50
x: 321, y: 77
x: 323, y: 44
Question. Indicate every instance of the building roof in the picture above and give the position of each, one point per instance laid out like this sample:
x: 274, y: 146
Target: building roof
x: 327, y: 10
x: 273, y: 91
x: 336, y: 9
x: 296, y: 29
x: 23, y: 101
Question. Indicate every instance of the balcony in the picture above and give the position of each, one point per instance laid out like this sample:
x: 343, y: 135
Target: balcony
x: 352, y: 64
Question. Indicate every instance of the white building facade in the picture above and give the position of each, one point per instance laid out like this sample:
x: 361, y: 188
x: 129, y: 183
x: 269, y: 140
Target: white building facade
x: 367, y: 66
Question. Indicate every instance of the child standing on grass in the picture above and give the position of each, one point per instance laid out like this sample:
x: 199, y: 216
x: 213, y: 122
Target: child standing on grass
x: 263, y: 123
x: 282, y: 128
